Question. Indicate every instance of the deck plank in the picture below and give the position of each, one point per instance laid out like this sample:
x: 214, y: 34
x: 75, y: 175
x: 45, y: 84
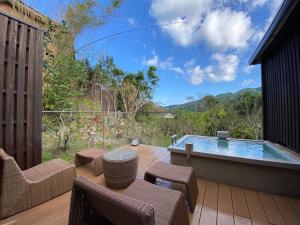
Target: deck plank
x: 240, y: 206
x: 200, y: 200
x: 46, y: 213
x: 257, y: 213
x: 208, y: 216
x: 201, y: 191
x: 225, y: 210
x: 211, y: 195
x: 272, y: 212
x: 239, y: 220
x: 196, y: 215
x: 63, y: 221
x: 295, y: 204
x: 287, y: 211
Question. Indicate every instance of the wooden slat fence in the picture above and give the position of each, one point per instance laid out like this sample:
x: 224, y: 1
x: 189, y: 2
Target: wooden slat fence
x: 21, y: 47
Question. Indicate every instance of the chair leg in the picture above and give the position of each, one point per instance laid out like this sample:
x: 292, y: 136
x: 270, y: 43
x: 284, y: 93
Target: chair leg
x: 192, y: 192
x: 98, y: 166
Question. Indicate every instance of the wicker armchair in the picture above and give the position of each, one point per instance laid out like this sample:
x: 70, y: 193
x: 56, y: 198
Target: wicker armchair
x: 141, y: 203
x: 21, y: 190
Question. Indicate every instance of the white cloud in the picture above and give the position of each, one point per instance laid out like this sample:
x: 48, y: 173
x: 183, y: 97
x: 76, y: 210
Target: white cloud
x: 153, y: 61
x: 248, y: 68
x: 166, y: 64
x: 273, y: 6
x: 188, y: 15
x: 166, y: 10
x: 178, y: 70
x: 190, y: 63
x: 254, y: 3
x: 260, y: 3
x: 248, y: 82
x: 223, y: 69
x: 227, y: 29
x: 196, y: 75
x: 131, y: 21
x: 201, y: 20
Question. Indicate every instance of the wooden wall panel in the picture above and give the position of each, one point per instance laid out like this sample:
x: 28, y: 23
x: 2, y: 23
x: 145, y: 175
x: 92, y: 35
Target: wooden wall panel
x: 21, y: 58
x: 3, y: 27
x: 281, y: 88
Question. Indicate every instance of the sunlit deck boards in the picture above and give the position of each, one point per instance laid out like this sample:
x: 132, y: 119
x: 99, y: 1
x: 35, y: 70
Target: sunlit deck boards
x: 217, y: 204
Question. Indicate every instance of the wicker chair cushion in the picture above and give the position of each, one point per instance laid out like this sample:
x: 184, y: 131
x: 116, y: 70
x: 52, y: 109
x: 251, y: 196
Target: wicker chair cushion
x: 94, y: 204
x: 179, y: 174
x: 45, y: 170
x: 164, y: 201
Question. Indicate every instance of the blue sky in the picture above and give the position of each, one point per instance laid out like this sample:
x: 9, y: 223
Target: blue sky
x: 205, y: 50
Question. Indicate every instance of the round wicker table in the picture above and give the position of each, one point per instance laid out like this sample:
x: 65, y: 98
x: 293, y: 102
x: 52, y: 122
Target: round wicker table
x: 120, y: 168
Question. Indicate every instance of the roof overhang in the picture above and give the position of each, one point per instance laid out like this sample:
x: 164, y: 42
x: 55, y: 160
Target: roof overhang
x: 280, y: 19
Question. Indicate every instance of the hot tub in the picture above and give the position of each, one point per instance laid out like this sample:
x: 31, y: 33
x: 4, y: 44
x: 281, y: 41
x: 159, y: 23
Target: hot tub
x: 259, y: 165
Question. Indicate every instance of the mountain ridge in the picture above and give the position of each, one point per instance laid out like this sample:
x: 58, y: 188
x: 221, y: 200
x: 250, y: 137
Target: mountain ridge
x: 192, y: 106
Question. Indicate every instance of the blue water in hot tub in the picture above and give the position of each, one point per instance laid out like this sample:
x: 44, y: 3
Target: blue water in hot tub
x: 234, y: 147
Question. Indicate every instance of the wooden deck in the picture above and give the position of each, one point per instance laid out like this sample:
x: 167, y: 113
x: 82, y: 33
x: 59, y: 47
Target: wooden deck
x: 217, y: 203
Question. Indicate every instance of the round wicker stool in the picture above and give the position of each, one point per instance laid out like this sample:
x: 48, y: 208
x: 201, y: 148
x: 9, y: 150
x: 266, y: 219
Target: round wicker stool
x: 120, y: 168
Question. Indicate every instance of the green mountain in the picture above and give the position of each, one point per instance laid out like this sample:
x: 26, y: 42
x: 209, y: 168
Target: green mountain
x: 192, y: 106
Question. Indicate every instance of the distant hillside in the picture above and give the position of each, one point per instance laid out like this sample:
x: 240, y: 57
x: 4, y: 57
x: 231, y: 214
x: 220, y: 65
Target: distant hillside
x: 192, y: 106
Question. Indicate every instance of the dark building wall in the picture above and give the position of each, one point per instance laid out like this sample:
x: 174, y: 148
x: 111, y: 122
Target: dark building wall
x: 281, y: 86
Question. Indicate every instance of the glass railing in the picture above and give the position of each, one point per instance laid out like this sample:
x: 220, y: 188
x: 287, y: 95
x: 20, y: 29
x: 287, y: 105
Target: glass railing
x: 64, y: 133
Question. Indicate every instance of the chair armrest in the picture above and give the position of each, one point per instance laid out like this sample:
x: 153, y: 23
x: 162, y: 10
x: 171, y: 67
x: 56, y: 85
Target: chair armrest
x: 103, y: 204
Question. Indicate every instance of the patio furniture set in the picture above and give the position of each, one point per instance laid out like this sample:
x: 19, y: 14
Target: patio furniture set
x: 141, y: 203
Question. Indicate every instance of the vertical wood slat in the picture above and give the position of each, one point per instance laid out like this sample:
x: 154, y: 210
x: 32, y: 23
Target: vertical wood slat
x: 295, y: 92
x: 297, y: 83
x: 281, y: 86
x: 266, y: 101
x: 37, y: 134
x: 30, y: 96
x: 3, y: 29
x: 282, y: 96
x: 20, y: 147
x: 11, y: 66
x: 21, y: 61
x: 292, y: 88
x: 288, y: 83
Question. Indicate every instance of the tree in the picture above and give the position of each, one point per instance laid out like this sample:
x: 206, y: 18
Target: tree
x: 100, y: 82
x: 64, y: 85
x: 84, y: 14
x: 133, y: 98
x: 207, y: 102
x: 136, y: 90
x: 190, y: 98
x: 65, y: 77
x: 247, y: 104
